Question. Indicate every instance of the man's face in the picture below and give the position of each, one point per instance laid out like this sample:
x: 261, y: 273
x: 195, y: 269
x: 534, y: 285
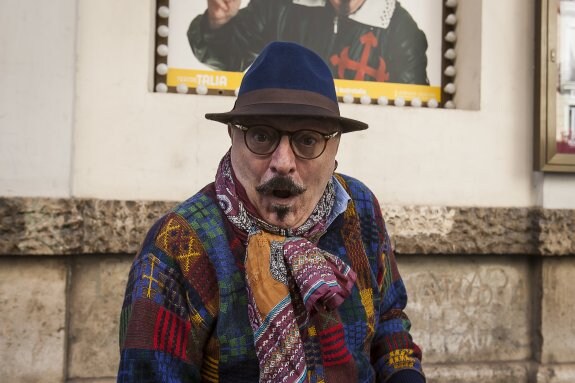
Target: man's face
x: 283, y: 188
x: 346, y: 7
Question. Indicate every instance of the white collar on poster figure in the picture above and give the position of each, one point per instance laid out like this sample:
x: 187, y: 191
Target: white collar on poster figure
x: 375, y: 13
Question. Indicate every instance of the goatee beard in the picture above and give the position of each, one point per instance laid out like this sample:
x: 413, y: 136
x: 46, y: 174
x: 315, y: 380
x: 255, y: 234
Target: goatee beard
x: 281, y: 211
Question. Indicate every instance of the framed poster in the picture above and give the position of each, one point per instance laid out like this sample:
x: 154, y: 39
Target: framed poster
x: 555, y: 90
x: 378, y: 50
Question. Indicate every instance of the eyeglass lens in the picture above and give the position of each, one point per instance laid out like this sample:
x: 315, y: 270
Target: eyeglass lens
x: 262, y: 139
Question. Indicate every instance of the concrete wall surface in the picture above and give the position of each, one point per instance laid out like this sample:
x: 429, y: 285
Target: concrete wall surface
x: 33, y: 334
x: 37, y: 77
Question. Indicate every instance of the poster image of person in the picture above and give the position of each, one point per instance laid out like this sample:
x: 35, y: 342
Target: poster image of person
x: 571, y: 140
x: 362, y: 40
x: 565, y: 96
x: 566, y: 39
x: 566, y: 136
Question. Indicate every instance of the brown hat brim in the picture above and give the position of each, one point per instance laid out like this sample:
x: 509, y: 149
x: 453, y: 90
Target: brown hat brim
x: 286, y: 110
x: 286, y: 103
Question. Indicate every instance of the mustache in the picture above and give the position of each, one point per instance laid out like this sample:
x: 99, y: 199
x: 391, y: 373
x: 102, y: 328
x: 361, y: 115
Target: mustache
x: 280, y: 183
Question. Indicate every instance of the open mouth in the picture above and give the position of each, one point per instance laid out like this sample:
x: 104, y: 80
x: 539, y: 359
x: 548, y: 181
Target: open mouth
x: 283, y: 194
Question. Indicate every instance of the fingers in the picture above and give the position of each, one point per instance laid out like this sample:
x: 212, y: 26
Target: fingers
x: 222, y: 11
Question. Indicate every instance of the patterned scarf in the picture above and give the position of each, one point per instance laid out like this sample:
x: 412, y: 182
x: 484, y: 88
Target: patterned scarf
x: 288, y: 278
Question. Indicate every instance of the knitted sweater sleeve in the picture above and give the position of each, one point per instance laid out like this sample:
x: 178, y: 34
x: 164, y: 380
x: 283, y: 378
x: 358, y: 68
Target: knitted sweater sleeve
x: 395, y: 357
x: 168, y: 311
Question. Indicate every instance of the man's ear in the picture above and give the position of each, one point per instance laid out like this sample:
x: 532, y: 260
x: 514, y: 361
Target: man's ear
x: 230, y: 132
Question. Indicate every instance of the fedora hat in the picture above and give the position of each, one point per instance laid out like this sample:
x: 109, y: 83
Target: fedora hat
x: 287, y: 80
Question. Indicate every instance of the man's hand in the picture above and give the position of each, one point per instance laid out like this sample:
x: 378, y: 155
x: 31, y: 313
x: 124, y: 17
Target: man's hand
x: 221, y: 11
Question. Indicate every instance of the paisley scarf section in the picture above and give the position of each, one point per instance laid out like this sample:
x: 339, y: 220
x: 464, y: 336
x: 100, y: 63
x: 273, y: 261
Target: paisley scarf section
x: 281, y: 264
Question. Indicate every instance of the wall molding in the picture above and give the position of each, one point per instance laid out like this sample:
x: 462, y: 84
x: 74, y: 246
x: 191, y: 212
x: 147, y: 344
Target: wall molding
x: 47, y: 226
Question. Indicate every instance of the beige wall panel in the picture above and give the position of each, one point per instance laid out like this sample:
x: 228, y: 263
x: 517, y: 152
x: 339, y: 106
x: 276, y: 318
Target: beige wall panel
x: 469, y: 309
x: 479, y: 373
x: 98, y: 284
x: 556, y: 374
x: 33, y: 319
x: 558, y: 310
x: 37, y: 73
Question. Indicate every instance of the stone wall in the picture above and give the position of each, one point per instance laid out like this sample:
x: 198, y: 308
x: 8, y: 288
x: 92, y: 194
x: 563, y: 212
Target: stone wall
x: 490, y: 289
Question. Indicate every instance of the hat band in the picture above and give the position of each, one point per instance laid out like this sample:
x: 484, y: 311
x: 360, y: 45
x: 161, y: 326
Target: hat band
x: 286, y: 96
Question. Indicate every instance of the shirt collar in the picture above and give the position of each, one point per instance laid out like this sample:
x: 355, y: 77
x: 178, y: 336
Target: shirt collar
x: 340, y: 203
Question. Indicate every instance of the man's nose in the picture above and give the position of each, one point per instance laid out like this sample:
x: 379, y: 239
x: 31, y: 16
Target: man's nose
x: 283, y: 158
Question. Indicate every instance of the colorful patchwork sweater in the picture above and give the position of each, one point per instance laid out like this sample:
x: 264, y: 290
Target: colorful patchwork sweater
x: 185, y: 319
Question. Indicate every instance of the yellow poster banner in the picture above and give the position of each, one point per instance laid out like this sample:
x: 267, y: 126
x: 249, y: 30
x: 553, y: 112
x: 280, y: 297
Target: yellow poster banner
x: 230, y: 81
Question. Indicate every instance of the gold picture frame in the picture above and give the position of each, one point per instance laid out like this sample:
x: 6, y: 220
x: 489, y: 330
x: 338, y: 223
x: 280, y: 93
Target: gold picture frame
x: 555, y: 86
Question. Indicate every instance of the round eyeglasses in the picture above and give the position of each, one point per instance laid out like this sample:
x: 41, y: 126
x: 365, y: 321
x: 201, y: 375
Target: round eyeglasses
x: 263, y: 140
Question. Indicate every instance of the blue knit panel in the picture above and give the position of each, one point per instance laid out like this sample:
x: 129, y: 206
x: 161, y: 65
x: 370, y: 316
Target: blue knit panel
x: 237, y: 357
x: 147, y: 366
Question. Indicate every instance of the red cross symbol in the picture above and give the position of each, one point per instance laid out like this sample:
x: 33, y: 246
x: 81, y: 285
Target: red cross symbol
x: 343, y: 62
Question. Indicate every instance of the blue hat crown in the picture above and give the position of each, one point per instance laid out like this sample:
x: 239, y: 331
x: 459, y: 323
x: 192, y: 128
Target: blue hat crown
x: 285, y: 65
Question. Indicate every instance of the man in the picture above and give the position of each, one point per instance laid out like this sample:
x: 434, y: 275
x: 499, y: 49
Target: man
x: 280, y: 270
x: 366, y: 40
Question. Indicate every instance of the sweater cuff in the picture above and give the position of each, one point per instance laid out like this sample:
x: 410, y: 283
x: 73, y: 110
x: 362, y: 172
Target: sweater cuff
x: 406, y: 376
